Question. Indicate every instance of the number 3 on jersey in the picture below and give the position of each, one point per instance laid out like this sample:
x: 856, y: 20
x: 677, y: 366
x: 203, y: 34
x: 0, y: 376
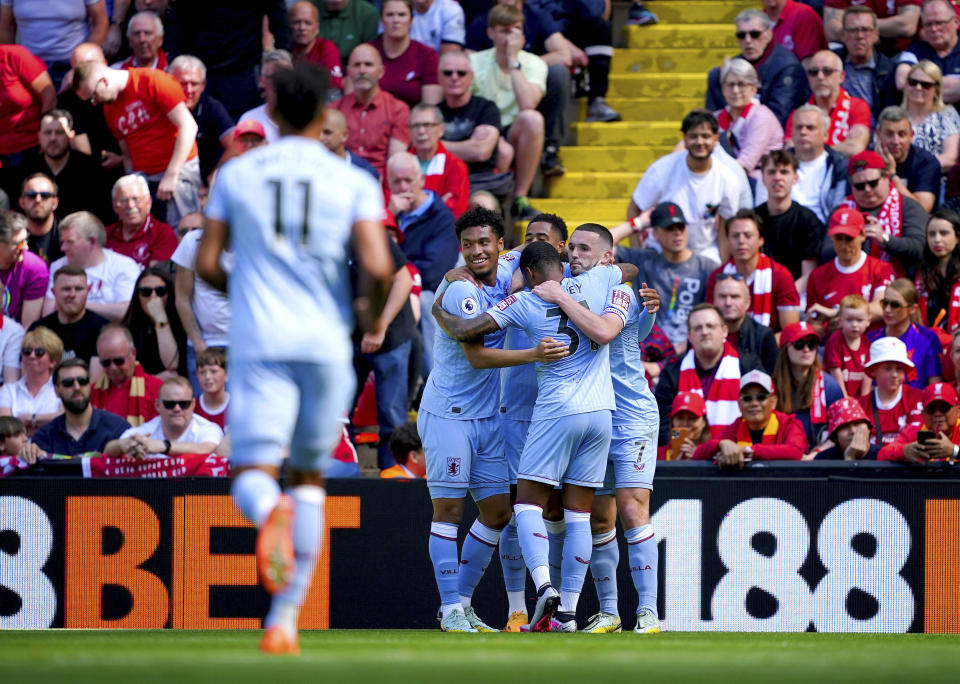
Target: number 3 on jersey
x: 278, y: 191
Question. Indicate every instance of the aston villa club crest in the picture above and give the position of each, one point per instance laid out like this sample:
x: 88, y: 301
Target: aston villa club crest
x: 453, y: 466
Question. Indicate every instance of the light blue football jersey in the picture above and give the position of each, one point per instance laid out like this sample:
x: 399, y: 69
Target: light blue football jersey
x: 291, y: 207
x: 580, y: 382
x: 455, y: 389
x: 635, y: 402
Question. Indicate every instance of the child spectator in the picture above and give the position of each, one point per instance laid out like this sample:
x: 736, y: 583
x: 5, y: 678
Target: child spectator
x: 892, y: 405
x: 14, y: 435
x: 849, y: 434
x: 212, y: 374
x: 848, y: 350
x: 408, y: 453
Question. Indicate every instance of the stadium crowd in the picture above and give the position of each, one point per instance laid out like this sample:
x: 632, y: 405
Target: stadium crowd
x: 803, y: 238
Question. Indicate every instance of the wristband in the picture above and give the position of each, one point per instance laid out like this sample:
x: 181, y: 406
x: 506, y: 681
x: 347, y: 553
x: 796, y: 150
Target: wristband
x: 166, y: 446
x: 636, y: 224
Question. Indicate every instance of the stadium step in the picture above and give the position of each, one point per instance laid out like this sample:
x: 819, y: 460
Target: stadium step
x: 654, y: 133
x: 648, y: 108
x: 681, y: 36
x: 668, y: 60
x: 658, y: 85
x: 698, y: 11
x: 594, y: 184
x: 611, y: 158
x: 606, y: 209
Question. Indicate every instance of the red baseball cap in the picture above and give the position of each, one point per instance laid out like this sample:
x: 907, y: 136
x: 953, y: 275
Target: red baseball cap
x: 797, y: 331
x: 846, y: 221
x: 249, y: 126
x: 868, y: 159
x: 939, y: 391
x: 843, y: 411
x: 690, y: 402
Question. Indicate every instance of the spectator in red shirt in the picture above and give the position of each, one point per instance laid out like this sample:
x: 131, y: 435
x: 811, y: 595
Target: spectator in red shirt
x: 446, y: 173
x: 145, y: 37
x: 848, y: 350
x: 147, y: 112
x: 760, y: 433
x: 771, y: 284
x: 409, y: 67
x: 939, y: 418
x: 848, y: 432
x: 851, y: 272
x: 308, y: 46
x: 377, y: 121
x: 124, y: 389
x: 137, y: 234
x: 893, y: 404
x: 212, y: 404
x: 688, y: 427
x: 796, y: 27
x: 849, y: 132
x: 26, y: 91
x: 334, y: 138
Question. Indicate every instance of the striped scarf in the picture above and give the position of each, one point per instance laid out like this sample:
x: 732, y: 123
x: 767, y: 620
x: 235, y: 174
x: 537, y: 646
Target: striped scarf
x: 769, y: 432
x: 818, y: 409
x: 761, y: 288
x: 890, y: 217
x: 722, y: 406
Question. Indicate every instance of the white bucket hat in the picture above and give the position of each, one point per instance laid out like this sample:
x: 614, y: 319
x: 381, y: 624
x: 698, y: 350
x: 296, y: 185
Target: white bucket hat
x: 888, y: 349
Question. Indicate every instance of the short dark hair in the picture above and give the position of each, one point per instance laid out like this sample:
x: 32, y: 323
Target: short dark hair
x: 301, y: 93
x: 68, y: 270
x: 403, y: 440
x: 59, y: 114
x: 539, y: 256
x: 478, y: 216
x: 72, y: 362
x: 746, y: 214
x: 705, y: 306
x: 600, y: 231
x: 558, y: 224
x: 779, y: 158
x: 40, y: 174
x: 697, y: 117
x: 10, y: 426
x: 213, y: 356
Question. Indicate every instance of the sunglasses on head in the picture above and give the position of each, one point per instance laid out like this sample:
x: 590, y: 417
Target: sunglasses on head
x: 170, y: 404
x: 80, y: 380
x: 753, y: 34
x: 450, y: 72
x: 808, y: 343
x: 926, y: 85
x: 33, y: 194
x: 826, y: 71
x: 119, y: 361
x: 724, y: 276
x: 750, y: 398
x: 146, y: 291
x: 871, y: 183
x: 890, y: 304
x: 39, y: 352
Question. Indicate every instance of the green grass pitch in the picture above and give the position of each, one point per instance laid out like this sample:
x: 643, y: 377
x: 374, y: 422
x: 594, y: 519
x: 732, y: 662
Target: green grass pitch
x: 171, y: 657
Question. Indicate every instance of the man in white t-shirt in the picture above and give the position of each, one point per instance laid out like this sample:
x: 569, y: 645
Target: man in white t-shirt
x: 438, y: 24
x: 271, y: 61
x: 204, y: 311
x: 175, y: 431
x: 110, y: 276
x: 11, y: 337
x: 708, y: 193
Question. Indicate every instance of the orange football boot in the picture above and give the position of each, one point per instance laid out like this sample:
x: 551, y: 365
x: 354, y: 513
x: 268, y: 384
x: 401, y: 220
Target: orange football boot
x: 275, y: 559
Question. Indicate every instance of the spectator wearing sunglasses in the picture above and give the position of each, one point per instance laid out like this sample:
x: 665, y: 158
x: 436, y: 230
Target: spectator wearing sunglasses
x: 761, y: 432
x: 137, y: 234
x: 783, y: 85
x: 125, y: 388
x: 39, y: 201
x: 21, y: 271
x: 901, y: 319
x: 937, y: 42
x: 849, y: 131
x: 895, y: 225
x: 153, y: 321
x: 804, y: 390
x: 175, y: 431
x: 32, y: 398
x: 81, y: 429
x: 936, y: 126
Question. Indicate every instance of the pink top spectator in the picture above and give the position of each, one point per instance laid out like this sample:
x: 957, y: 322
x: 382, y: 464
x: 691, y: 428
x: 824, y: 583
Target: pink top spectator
x: 26, y: 280
x: 754, y: 133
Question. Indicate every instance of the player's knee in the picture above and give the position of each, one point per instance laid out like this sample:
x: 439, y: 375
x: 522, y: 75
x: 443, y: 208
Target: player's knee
x: 447, y: 511
x: 634, y: 505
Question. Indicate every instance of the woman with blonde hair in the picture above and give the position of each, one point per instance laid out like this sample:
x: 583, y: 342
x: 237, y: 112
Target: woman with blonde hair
x: 901, y: 319
x: 32, y: 398
x: 936, y: 127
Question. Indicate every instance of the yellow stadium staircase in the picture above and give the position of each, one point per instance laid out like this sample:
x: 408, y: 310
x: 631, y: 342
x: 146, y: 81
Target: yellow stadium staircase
x: 658, y: 77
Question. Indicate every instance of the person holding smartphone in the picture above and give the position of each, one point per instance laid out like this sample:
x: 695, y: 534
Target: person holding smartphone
x: 688, y: 427
x: 937, y: 438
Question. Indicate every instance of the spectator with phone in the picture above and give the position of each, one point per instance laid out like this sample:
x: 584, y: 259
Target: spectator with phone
x: 688, y: 427
x: 937, y: 438
x: 761, y: 432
